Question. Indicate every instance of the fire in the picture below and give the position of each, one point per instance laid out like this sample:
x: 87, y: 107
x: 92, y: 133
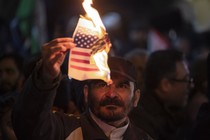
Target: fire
x: 93, y: 14
x: 100, y: 57
x: 91, y: 55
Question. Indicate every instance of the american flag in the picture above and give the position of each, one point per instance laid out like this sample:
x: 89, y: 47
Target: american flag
x: 81, y: 63
x: 85, y: 37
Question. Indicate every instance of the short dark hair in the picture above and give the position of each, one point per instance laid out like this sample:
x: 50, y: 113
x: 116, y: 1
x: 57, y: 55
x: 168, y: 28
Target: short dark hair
x: 161, y: 63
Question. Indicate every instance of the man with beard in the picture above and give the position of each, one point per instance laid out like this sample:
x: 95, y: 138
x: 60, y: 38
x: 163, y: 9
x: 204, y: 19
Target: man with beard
x: 11, y: 73
x: 11, y: 80
x: 108, y: 105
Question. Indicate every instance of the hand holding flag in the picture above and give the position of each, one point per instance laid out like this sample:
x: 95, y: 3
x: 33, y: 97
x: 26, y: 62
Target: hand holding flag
x: 53, y: 54
x: 87, y: 61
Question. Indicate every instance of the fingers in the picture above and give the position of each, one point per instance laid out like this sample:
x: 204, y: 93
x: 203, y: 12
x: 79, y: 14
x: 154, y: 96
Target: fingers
x: 58, y: 59
x: 66, y: 43
x: 52, y: 49
x: 53, y: 54
x: 56, y: 46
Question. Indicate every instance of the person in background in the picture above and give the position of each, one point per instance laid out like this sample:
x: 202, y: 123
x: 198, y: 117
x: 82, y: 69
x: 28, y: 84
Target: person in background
x: 108, y: 104
x: 161, y: 110
x: 199, y: 94
x: 139, y: 58
x: 202, y: 126
x: 6, y: 128
x: 11, y: 82
x: 11, y: 73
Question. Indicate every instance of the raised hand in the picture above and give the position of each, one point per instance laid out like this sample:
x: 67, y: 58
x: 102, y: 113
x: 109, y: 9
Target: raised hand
x: 53, y: 55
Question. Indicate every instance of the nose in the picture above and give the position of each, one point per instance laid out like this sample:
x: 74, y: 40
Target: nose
x: 111, y: 91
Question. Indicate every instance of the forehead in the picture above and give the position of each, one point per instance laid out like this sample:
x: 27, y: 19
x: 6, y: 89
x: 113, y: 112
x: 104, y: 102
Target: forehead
x: 119, y: 77
x: 115, y: 81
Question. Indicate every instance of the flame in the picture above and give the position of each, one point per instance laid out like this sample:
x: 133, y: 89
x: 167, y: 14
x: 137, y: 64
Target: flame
x: 101, y: 61
x: 100, y: 58
x: 93, y: 14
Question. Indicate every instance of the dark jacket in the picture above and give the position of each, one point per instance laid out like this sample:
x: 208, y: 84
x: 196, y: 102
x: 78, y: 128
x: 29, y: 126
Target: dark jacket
x: 158, y: 121
x: 202, y: 127
x: 33, y: 119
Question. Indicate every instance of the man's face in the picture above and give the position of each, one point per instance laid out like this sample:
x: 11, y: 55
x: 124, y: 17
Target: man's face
x: 9, y: 75
x: 111, y: 102
x: 181, y: 85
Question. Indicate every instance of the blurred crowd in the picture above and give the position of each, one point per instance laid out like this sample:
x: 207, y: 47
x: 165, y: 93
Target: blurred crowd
x: 138, y: 30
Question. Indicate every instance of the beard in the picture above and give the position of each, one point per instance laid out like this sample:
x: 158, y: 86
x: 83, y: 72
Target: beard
x: 7, y: 87
x: 110, y: 109
x: 110, y: 116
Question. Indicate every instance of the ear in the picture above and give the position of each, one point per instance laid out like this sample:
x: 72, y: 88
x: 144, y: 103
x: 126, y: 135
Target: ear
x: 137, y: 95
x: 85, y: 91
x: 165, y: 85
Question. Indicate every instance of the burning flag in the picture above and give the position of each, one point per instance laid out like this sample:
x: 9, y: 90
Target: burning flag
x: 89, y: 59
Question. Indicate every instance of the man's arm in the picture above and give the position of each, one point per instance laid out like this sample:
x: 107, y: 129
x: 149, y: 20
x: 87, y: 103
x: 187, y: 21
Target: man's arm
x: 32, y: 112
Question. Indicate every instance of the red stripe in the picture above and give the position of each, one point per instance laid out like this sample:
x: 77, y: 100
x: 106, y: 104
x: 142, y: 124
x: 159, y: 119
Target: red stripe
x: 80, y: 60
x: 83, y: 68
x: 80, y: 53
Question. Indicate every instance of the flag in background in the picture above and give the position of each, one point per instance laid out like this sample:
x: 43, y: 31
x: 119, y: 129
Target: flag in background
x: 82, y: 65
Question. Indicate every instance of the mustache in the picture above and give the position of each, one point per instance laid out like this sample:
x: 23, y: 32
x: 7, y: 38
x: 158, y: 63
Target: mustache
x: 111, y: 101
